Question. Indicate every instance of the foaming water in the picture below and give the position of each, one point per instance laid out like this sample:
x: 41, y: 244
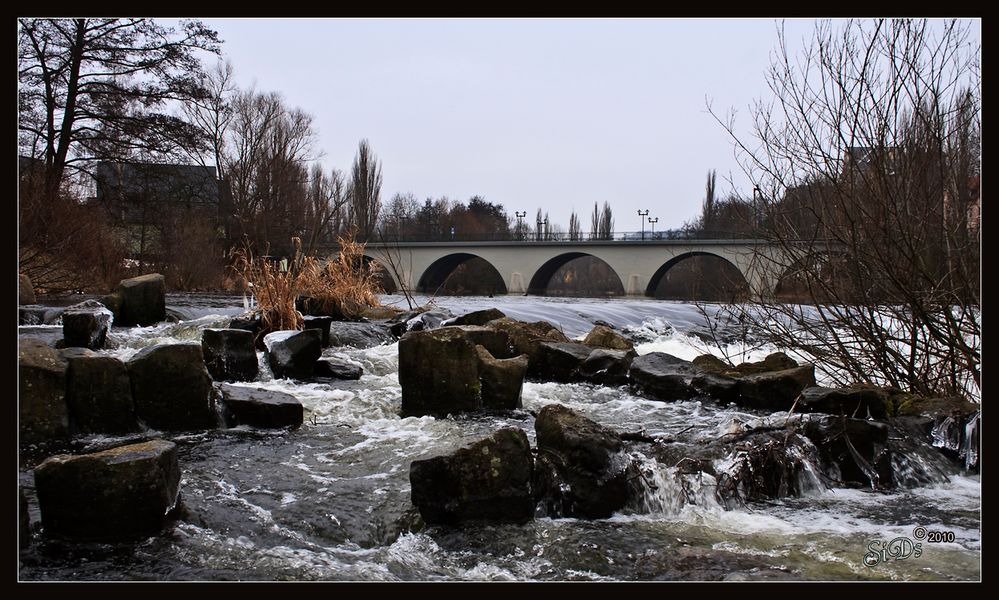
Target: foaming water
x: 330, y: 501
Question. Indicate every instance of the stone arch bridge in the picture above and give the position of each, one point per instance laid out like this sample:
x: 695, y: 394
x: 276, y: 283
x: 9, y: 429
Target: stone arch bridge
x: 527, y: 266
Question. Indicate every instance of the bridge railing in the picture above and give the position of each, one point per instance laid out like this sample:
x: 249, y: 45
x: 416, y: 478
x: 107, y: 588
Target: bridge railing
x: 629, y: 236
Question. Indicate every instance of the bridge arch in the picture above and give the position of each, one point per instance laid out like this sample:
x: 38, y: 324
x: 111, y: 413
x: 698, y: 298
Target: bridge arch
x: 436, y: 275
x: 736, y: 280
x: 543, y: 275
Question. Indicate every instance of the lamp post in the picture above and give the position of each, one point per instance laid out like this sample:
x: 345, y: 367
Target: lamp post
x: 540, y: 223
x: 642, y: 216
x: 520, y: 223
x: 653, y: 221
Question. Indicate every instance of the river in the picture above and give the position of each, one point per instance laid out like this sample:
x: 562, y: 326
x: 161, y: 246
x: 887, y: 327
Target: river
x: 330, y: 501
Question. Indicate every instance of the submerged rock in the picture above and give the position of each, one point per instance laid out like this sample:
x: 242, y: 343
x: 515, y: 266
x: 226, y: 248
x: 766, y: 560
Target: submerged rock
x: 42, y: 408
x: 262, y: 408
x: 171, y: 387
x: 86, y: 324
x: 230, y: 354
x: 487, y: 481
x: 359, y: 335
x: 581, y: 470
x: 293, y: 354
x: 123, y: 492
x: 337, y: 369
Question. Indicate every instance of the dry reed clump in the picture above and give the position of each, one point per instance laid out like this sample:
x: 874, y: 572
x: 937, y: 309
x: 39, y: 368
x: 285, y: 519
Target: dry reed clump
x: 342, y: 287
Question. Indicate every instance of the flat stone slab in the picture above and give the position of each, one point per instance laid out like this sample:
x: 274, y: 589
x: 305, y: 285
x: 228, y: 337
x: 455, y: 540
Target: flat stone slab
x: 262, y: 408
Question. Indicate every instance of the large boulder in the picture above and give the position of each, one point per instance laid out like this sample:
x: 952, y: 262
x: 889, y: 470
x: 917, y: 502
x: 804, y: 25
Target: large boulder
x: 526, y: 338
x: 487, y: 481
x: 775, y: 390
x: 142, y: 300
x: 229, y: 354
x: 581, y: 469
x: 261, y: 408
x: 25, y: 291
x: 124, y: 492
x: 501, y: 380
x: 293, y: 354
x: 717, y: 386
x: 438, y: 372
x: 607, y: 367
x: 99, y: 393
x: 855, y: 401
x: 777, y: 361
x: 662, y: 376
x: 478, y: 317
x: 359, y: 335
x: 560, y: 361
x: 171, y: 387
x: 602, y: 336
x: 321, y: 323
x: 42, y: 408
x: 86, y: 324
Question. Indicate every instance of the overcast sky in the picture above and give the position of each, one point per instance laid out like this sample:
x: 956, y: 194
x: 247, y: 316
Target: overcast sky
x: 543, y: 113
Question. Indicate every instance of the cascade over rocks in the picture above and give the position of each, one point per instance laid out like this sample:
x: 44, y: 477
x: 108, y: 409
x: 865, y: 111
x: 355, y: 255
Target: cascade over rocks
x: 230, y: 354
x: 487, y: 481
x: 86, y: 325
x: 98, y: 393
x: 124, y: 492
x: 293, y: 354
x: 858, y: 449
x: 581, y: 469
x: 172, y: 388
x: 42, y: 409
x: 262, y: 408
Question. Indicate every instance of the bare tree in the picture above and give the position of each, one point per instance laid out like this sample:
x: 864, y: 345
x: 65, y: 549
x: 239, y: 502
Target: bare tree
x: 365, y: 188
x: 867, y: 162
x: 91, y: 88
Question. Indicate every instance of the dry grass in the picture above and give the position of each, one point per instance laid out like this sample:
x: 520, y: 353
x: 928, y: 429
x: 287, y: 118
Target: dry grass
x: 343, y: 286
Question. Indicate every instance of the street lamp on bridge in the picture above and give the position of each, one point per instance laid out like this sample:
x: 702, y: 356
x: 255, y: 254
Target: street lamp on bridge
x: 653, y: 221
x: 540, y: 223
x: 520, y: 223
x: 642, y: 216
